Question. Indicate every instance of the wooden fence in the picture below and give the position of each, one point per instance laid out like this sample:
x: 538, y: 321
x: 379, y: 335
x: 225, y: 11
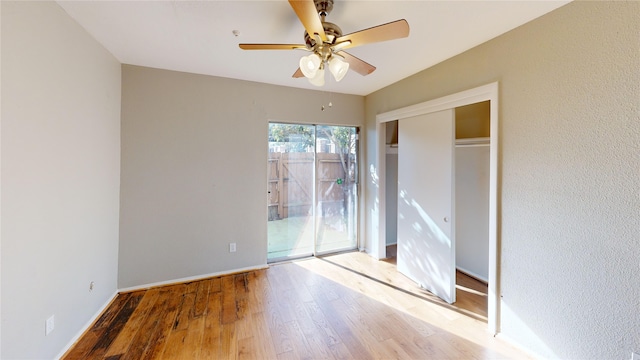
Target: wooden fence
x: 291, y: 181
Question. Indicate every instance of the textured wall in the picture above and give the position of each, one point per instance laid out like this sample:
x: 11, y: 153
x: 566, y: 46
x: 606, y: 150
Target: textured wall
x: 569, y: 173
x: 194, y: 175
x: 60, y: 178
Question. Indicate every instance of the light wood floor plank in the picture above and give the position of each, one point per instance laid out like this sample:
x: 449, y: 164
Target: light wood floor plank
x: 300, y: 346
x: 279, y: 333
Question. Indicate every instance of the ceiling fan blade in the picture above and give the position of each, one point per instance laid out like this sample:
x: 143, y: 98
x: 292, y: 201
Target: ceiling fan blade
x: 272, y: 46
x: 389, y: 31
x: 308, y: 15
x: 298, y: 74
x: 357, y: 65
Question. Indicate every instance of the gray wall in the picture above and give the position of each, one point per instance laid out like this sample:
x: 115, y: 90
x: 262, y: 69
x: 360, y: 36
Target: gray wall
x: 569, y: 226
x: 60, y: 178
x: 194, y: 179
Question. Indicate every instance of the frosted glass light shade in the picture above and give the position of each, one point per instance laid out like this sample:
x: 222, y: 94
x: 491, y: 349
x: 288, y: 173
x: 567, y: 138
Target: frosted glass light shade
x: 309, y: 65
x: 318, y: 80
x: 338, y: 67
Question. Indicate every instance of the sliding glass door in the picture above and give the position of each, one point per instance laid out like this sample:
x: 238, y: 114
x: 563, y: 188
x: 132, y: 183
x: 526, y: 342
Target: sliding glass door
x: 291, y: 190
x: 336, y: 195
x: 312, y: 190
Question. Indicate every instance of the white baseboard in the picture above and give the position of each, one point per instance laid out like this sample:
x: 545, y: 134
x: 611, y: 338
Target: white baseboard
x: 87, y: 325
x: 472, y: 274
x: 191, y: 278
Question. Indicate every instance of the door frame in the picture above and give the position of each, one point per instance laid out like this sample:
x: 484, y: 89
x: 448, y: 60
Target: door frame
x: 467, y: 97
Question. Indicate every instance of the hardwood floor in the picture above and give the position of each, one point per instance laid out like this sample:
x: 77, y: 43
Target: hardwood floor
x: 340, y: 306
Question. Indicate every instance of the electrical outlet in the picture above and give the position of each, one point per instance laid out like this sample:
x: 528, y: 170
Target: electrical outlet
x: 635, y: 356
x: 232, y: 247
x: 49, y: 325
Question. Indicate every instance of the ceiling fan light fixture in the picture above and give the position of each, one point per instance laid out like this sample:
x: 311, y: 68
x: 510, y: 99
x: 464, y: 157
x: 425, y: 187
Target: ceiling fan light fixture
x: 338, y: 67
x: 309, y: 65
x: 318, y: 80
x: 325, y: 40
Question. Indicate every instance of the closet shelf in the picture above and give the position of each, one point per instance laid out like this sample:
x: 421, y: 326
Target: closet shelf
x: 473, y: 141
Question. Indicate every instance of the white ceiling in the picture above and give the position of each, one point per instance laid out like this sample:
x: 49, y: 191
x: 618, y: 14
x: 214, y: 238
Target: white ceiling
x: 197, y: 36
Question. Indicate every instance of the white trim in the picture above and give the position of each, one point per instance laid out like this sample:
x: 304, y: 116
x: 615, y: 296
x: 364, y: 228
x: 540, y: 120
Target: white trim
x: 379, y: 225
x: 467, y: 97
x: 87, y: 325
x: 192, y: 278
x: 472, y: 274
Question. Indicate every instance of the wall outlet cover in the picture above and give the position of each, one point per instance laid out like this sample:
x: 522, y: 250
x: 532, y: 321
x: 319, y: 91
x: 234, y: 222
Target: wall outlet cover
x: 49, y: 325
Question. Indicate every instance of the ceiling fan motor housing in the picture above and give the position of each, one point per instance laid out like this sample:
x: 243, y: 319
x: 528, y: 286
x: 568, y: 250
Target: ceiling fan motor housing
x: 332, y: 31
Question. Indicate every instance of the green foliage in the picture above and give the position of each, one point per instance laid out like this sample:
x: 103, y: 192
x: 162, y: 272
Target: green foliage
x: 300, y: 138
x: 295, y: 138
x: 341, y: 136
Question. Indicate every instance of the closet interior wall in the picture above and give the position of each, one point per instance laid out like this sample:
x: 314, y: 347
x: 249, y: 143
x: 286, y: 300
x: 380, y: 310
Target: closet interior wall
x: 472, y: 189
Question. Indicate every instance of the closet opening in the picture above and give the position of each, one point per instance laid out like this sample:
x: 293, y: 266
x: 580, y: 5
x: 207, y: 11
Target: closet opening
x: 468, y: 225
x: 471, y: 174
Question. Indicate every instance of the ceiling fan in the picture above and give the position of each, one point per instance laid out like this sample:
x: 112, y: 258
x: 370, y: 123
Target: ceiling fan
x: 327, y: 44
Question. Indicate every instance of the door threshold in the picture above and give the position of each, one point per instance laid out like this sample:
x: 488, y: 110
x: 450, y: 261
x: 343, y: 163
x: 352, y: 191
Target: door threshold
x: 287, y: 259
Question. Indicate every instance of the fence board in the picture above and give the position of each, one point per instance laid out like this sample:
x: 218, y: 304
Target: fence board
x: 291, y: 181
